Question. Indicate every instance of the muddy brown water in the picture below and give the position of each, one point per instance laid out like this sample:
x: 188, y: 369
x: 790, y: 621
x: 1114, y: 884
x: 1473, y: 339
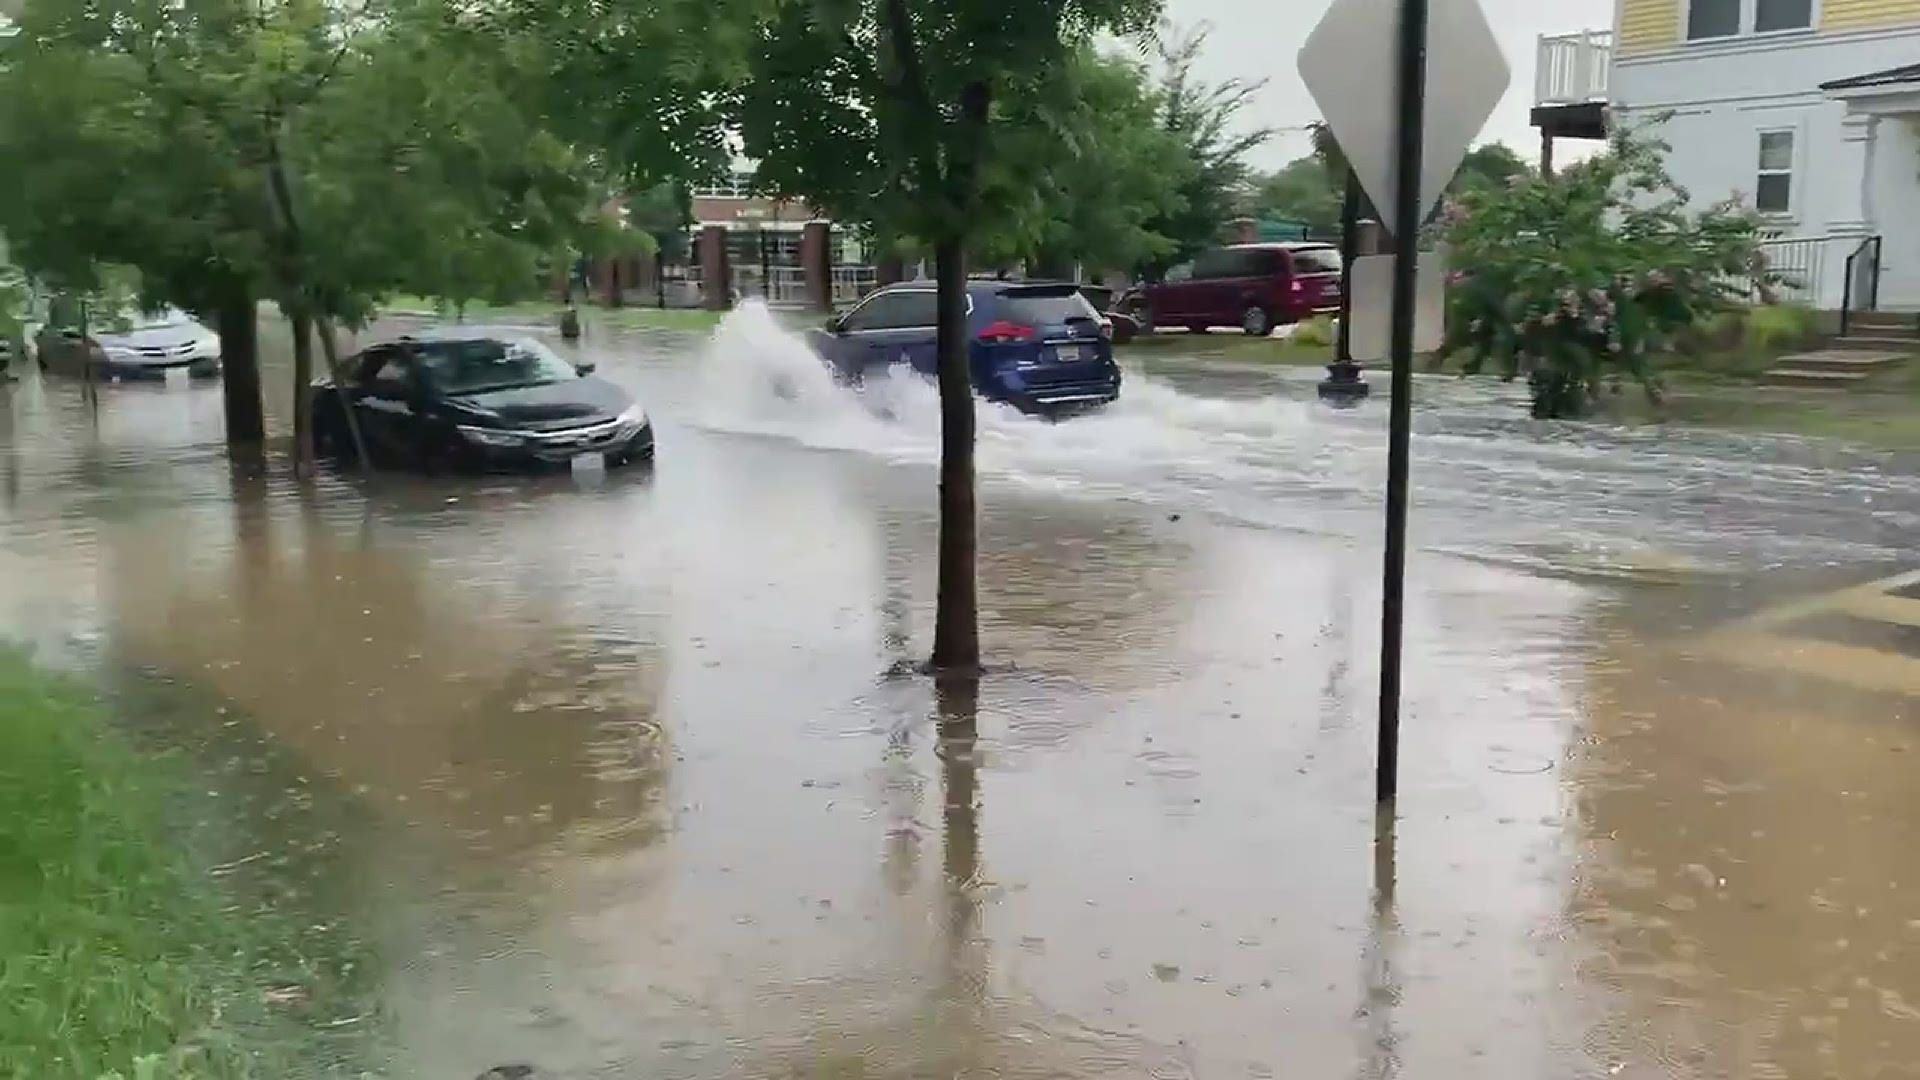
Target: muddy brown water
x: 640, y: 800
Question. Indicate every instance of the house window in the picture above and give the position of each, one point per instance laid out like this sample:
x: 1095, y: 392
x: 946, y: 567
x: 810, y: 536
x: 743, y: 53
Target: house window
x: 1772, y: 15
x: 1773, y: 186
x: 1710, y: 19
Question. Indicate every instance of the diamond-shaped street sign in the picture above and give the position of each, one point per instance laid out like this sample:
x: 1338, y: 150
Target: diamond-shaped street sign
x: 1348, y: 64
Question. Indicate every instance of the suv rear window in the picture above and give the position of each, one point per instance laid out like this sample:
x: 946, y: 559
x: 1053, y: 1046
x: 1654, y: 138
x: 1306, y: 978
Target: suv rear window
x: 1051, y: 307
x: 1319, y: 260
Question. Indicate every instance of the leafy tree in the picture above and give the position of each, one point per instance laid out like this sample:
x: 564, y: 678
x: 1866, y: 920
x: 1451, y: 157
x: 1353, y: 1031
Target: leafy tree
x: 912, y: 114
x: 293, y: 150
x: 1207, y: 121
x: 1302, y: 191
x: 1100, y: 169
x: 1489, y: 165
x: 1579, y: 281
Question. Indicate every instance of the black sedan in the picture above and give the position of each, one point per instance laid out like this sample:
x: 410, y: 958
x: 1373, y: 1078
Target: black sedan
x: 459, y: 402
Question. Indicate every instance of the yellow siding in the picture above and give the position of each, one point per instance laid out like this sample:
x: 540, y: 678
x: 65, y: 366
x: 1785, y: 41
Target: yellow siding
x: 1655, y: 24
x: 1865, y: 14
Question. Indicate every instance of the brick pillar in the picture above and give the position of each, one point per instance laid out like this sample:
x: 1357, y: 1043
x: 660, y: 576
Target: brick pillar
x: 716, y: 271
x: 816, y: 263
x: 646, y: 271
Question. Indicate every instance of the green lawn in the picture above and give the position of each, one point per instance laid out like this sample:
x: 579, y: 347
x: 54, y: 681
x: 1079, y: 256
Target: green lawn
x: 1223, y: 345
x: 633, y: 317
x: 122, y: 954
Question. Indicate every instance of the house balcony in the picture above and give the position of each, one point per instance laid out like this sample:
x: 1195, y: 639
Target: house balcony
x: 1571, y: 80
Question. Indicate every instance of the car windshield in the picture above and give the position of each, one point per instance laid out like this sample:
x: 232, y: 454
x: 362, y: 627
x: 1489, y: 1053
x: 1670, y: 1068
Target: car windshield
x: 472, y: 367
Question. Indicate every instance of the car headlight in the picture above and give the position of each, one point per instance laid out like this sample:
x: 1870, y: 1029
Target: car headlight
x: 491, y: 436
x: 118, y: 352
x: 635, y: 417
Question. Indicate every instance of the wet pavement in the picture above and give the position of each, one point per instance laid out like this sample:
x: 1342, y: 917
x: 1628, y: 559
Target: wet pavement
x: 637, y: 797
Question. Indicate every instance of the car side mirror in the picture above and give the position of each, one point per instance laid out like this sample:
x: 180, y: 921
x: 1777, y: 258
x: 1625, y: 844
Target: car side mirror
x: 833, y: 324
x: 586, y: 367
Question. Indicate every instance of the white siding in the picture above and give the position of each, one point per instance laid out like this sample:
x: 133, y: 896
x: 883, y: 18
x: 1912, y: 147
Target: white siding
x: 1722, y: 95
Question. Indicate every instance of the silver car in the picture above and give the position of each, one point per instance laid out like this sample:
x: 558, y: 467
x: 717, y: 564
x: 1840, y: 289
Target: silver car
x: 141, y: 345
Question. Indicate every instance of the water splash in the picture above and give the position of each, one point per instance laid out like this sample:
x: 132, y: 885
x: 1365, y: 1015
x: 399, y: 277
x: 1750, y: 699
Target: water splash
x: 760, y: 377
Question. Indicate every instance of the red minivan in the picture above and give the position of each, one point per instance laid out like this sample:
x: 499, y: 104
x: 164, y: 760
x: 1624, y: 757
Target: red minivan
x: 1253, y: 286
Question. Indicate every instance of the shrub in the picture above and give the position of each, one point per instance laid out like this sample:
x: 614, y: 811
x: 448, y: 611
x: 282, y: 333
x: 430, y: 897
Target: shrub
x: 1578, y: 281
x: 1772, y: 328
x: 1316, y: 332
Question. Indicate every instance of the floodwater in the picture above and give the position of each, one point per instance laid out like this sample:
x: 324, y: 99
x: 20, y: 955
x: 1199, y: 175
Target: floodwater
x: 640, y: 799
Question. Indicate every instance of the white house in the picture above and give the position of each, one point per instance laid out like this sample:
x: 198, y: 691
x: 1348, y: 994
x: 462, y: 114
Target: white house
x: 1808, y: 109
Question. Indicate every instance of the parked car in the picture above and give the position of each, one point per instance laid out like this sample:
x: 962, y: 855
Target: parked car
x: 1253, y: 286
x: 131, y: 346
x: 474, y: 401
x: 1103, y: 299
x: 1033, y: 344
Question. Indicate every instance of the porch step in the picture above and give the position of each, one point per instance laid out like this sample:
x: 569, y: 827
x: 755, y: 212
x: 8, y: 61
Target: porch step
x: 1877, y: 341
x: 1836, y: 380
x: 1833, y: 367
x: 1839, y: 359
x: 1900, y: 323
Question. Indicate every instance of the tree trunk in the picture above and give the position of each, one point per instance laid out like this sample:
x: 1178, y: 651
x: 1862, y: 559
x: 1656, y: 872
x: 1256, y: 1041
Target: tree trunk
x: 338, y: 375
x: 956, y: 632
x: 237, y: 323
x: 302, y: 326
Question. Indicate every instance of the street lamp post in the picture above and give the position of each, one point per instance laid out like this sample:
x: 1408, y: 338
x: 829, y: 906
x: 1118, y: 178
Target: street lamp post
x: 1343, y: 387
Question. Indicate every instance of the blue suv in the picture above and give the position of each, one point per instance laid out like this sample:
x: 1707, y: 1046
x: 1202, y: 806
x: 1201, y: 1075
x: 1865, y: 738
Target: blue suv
x: 1039, y: 346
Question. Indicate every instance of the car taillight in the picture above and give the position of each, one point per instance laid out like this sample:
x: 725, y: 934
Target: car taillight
x: 1299, y: 286
x: 1106, y: 329
x: 1004, y: 332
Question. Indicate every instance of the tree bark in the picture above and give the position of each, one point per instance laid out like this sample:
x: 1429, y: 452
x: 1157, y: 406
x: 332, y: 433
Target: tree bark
x: 302, y: 326
x: 956, y: 632
x: 331, y: 351
x: 237, y: 323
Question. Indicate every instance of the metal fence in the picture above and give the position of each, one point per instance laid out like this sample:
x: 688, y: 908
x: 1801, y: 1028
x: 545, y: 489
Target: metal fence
x: 852, y: 283
x: 784, y: 286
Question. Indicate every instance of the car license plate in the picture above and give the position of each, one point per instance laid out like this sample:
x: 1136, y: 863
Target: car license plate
x: 178, y: 376
x: 588, y: 464
x: 1067, y: 354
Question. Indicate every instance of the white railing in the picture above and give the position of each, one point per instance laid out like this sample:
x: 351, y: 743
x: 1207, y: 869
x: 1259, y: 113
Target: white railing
x: 1573, y: 69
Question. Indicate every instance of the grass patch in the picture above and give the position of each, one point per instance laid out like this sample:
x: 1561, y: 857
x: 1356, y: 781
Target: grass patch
x: 634, y: 317
x: 1224, y: 346
x: 1882, y: 421
x: 124, y: 950
x: 646, y: 318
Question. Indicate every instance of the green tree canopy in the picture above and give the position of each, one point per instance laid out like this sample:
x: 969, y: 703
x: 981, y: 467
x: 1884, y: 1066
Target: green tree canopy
x: 1208, y: 120
x: 175, y: 139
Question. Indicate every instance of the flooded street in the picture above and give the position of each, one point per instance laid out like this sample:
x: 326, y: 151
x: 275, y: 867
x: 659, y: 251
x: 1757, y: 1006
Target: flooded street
x: 641, y: 799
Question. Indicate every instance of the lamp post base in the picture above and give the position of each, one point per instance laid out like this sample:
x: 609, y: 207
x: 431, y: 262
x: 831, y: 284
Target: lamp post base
x: 1343, y: 387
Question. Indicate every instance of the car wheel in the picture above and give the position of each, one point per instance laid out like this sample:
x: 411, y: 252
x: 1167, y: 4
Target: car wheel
x: 1256, y: 322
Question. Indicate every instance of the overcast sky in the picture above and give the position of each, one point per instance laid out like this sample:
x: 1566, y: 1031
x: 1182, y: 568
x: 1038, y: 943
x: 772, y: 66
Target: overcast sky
x: 1256, y: 39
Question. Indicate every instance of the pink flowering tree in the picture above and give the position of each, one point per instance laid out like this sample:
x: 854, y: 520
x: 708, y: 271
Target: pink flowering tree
x: 1579, y: 282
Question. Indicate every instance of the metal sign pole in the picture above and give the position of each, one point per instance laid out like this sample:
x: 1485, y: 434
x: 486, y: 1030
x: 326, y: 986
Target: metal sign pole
x: 1407, y: 212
